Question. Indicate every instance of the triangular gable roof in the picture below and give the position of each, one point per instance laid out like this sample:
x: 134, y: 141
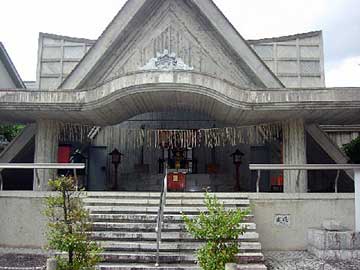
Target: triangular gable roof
x: 10, y: 67
x: 130, y: 12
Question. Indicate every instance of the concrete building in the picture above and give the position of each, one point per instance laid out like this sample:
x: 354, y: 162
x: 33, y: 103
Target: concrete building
x: 184, y: 87
x: 183, y: 75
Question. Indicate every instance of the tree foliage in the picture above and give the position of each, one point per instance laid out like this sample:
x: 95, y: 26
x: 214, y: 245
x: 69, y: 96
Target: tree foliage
x: 352, y: 150
x: 220, y: 229
x: 10, y: 131
x: 68, y: 226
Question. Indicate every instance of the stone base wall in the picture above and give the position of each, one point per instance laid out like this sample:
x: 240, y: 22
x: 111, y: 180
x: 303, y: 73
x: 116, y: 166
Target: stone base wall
x: 282, y: 219
x: 22, y: 224
x: 334, y: 245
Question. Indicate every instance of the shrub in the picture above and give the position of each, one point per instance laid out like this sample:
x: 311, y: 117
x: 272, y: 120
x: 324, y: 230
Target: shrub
x: 68, y: 226
x: 10, y: 131
x: 220, y: 229
x: 352, y: 150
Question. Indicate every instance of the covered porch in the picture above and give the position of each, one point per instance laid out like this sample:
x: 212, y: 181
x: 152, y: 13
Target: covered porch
x: 159, y: 115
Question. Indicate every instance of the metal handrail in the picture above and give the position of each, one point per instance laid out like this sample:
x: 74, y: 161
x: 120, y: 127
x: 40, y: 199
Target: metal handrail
x: 308, y: 167
x: 160, y: 217
x: 36, y: 166
x: 301, y: 167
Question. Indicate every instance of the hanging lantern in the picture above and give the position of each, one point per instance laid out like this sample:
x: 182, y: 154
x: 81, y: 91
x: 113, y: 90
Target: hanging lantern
x: 237, y: 157
x: 115, y: 157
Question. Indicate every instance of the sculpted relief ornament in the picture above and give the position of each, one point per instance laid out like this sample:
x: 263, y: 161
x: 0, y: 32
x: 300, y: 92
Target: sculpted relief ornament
x: 166, y: 62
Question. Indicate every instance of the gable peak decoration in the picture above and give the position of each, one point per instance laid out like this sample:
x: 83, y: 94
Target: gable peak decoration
x: 192, y: 13
x: 166, y: 62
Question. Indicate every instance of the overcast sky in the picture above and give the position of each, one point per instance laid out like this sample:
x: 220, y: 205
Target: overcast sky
x: 22, y: 20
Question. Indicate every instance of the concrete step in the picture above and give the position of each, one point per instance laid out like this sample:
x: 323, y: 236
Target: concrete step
x: 170, y: 195
x: 172, y: 257
x: 149, y: 257
x: 139, y: 266
x: 110, y: 209
x: 155, y: 202
x: 252, y: 266
x: 250, y: 257
x: 168, y: 247
x: 141, y: 217
x: 124, y: 226
x: 166, y: 236
x: 148, y: 227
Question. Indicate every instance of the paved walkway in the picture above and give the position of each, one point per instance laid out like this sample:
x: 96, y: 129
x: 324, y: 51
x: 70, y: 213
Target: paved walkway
x: 300, y: 260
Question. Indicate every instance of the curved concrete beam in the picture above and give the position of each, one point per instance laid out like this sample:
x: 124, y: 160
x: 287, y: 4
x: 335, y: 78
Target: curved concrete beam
x: 119, y: 99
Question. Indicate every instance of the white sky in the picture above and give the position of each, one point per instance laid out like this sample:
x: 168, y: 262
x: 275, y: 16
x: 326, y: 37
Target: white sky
x: 22, y: 20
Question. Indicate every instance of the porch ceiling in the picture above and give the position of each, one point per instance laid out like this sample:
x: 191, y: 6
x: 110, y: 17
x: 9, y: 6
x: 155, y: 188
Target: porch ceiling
x: 124, y: 97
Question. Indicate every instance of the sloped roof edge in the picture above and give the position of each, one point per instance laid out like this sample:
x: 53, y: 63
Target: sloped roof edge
x: 238, y: 43
x: 129, y: 9
x: 74, y: 39
x: 10, y: 67
x: 285, y: 38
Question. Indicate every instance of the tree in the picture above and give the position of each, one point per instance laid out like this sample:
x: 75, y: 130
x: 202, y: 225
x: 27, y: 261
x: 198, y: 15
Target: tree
x: 10, y: 131
x: 352, y: 150
x: 220, y: 229
x: 68, y: 226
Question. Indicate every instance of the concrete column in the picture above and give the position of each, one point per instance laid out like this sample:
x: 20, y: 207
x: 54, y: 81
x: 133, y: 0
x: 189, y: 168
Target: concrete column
x: 294, y: 151
x: 46, y: 149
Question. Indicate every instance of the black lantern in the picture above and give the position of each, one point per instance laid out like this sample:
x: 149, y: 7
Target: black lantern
x: 237, y: 157
x: 116, y: 160
x: 115, y: 157
x: 237, y: 160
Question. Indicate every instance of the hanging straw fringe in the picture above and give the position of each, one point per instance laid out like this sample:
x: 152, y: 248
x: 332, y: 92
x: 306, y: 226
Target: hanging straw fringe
x: 214, y: 137
x: 74, y: 133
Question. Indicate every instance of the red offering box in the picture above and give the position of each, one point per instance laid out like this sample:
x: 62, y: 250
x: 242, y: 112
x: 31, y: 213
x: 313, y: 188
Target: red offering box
x: 64, y: 154
x: 277, y: 180
x: 176, y: 181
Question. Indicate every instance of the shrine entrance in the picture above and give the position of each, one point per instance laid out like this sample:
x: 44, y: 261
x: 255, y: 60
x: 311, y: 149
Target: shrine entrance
x: 199, y: 154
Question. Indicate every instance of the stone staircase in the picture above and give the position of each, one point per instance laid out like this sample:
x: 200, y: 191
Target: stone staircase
x: 124, y: 225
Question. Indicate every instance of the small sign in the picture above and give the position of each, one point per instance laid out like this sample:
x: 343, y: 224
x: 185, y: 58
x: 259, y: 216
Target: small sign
x: 282, y: 220
x: 175, y: 178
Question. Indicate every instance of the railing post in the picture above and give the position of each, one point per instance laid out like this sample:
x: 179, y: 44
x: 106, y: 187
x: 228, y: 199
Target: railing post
x: 1, y: 182
x: 160, y: 217
x: 357, y: 200
x: 258, y: 181
x: 36, y: 179
x: 76, y: 181
x: 337, y: 181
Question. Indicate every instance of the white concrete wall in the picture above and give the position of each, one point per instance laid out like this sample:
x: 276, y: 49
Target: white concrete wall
x: 298, y: 60
x: 23, y: 225
x: 57, y: 57
x: 305, y: 211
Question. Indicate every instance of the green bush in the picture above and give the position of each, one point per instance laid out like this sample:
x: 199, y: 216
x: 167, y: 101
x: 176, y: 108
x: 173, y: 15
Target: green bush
x: 220, y: 229
x: 10, y: 131
x: 68, y: 226
x: 352, y: 150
